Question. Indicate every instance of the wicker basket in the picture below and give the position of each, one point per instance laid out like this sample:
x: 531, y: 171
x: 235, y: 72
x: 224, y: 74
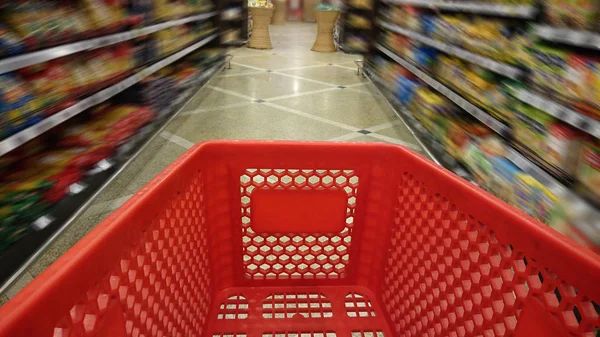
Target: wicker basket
x: 280, y: 12
x: 309, y: 9
x: 260, y: 38
x: 325, y: 23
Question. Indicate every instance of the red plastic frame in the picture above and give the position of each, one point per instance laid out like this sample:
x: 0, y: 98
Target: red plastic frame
x: 422, y: 253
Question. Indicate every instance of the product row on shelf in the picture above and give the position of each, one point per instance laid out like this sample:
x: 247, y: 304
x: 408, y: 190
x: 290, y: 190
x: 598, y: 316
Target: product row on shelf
x: 36, y: 92
x: 355, y: 25
x: 42, y: 180
x: 74, y: 115
x: 34, y: 24
x: 520, y: 113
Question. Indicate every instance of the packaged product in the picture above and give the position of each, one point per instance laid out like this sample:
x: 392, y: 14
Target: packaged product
x: 43, y: 23
x: 19, y: 107
x: 10, y: 43
x: 413, y: 18
x: 578, y: 14
x: 583, y: 80
x: 53, y: 83
x: 429, y: 25
x: 502, y: 180
x: 359, y: 21
x: 363, y: 4
x: 524, y: 190
x: 424, y: 57
x: 406, y: 89
x: 563, y: 146
x: 104, y: 13
x: 548, y: 68
x: 588, y: 172
x: 531, y: 127
x: 357, y: 42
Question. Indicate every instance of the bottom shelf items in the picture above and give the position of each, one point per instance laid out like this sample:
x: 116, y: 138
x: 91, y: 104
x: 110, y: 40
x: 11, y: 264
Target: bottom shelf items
x: 133, y: 119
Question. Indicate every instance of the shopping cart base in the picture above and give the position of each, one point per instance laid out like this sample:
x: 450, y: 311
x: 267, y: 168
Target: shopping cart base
x: 297, y: 312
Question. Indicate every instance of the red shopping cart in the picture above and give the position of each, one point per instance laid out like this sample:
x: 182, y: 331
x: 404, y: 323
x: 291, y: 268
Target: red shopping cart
x: 279, y: 239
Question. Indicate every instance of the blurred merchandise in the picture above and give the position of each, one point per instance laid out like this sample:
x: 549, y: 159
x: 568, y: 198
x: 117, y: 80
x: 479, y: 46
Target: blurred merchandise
x: 579, y: 14
x: 359, y: 21
x: 362, y: 4
x: 38, y: 175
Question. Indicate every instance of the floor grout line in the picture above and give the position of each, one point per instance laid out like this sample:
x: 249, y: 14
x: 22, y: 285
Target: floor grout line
x: 307, y: 115
x: 251, y: 67
x: 305, y: 79
x: 300, y: 94
x: 357, y: 84
x: 243, y: 74
x: 384, y: 126
x: 341, y: 66
x: 176, y: 139
x: 359, y: 91
x: 300, y: 68
x: 215, y: 108
x: 232, y: 93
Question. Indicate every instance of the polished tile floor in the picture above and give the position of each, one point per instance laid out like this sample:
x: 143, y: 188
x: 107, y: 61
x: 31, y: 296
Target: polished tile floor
x: 287, y: 93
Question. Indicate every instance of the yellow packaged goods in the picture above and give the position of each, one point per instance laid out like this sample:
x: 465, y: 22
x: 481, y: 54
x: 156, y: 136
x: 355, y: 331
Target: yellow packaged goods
x: 104, y: 13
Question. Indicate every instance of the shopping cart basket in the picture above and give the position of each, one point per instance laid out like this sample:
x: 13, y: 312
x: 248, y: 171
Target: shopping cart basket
x: 279, y: 239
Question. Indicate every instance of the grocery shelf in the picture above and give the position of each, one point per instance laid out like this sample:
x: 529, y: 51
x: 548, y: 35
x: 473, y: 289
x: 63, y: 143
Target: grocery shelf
x: 579, y: 38
x: 584, y: 216
x: 434, y: 149
x: 21, y: 137
x: 495, y: 66
x: 17, y: 258
x: 513, y: 11
x: 28, y: 59
x: 576, y: 119
x: 482, y: 116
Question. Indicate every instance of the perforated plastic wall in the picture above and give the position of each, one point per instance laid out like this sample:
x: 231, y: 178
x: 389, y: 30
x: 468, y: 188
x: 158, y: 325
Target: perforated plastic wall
x: 296, y: 255
x: 416, y: 252
x: 448, y: 274
x: 160, y: 286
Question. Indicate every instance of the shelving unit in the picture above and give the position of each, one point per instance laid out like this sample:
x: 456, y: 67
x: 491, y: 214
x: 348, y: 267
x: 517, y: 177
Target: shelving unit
x: 59, y: 215
x: 495, y: 66
x: 346, y: 29
x: 48, y: 123
x: 582, y: 122
x: 577, y: 38
x: 49, y: 227
x: 474, y: 7
x: 581, y: 209
x: 430, y: 145
x: 482, y: 116
x: 29, y: 59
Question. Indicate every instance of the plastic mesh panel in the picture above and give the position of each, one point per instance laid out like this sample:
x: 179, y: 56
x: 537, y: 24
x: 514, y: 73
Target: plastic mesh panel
x: 296, y: 255
x: 358, y: 305
x: 307, y: 305
x: 235, y: 307
x: 448, y: 275
x: 166, y: 271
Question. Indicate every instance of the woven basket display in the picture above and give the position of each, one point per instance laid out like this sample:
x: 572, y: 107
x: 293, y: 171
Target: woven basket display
x: 325, y: 23
x: 309, y: 9
x: 260, y: 38
x: 280, y: 12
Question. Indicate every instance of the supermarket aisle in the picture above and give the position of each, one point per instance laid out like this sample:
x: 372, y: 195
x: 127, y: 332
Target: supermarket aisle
x: 286, y: 93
